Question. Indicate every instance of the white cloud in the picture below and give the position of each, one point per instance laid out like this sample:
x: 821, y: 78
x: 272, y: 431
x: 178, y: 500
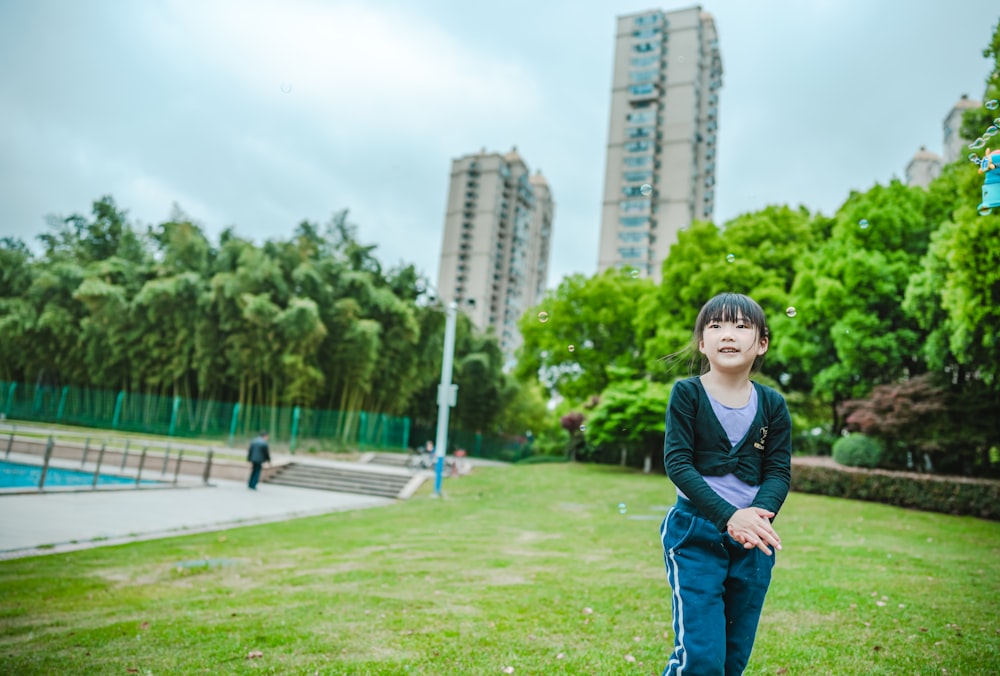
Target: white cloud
x: 352, y: 63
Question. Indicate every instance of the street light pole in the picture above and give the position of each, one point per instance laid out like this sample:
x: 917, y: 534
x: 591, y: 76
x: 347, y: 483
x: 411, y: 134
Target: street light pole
x: 447, y: 395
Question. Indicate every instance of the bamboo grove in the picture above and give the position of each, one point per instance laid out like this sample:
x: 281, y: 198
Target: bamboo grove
x: 312, y: 320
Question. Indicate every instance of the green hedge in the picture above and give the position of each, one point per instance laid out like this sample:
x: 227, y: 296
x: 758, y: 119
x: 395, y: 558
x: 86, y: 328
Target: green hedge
x: 933, y: 493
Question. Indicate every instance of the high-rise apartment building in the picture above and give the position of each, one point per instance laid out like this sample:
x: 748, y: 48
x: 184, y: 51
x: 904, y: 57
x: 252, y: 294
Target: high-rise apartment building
x: 662, y: 136
x: 923, y: 168
x: 497, y: 235
x: 925, y: 165
x: 954, y: 144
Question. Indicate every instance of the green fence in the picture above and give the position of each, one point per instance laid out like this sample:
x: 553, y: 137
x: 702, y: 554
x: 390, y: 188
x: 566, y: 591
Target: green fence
x: 181, y: 417
x: 206, y: 418
x: 475, y: 444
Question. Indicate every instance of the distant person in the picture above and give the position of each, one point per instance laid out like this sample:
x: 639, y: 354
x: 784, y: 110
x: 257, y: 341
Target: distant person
x: 427, y: 457
x: 728, y: 450
x: 257, y: 455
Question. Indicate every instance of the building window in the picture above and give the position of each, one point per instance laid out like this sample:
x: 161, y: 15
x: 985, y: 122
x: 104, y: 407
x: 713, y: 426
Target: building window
x: 647, y: 20
x: 638, y: 176
x: 643, y: 75
x: 646, y: 32
x: 633, y: 205
x: 633, y: 252
x: 641, y: 90
x: 633, y: 237
x: 638, y: 146
x: 644, y: 61
x: 640, y: 132
x: 640, y: 116
x: 644, y: 47
x: 633, y: 221
x: 638, y: 161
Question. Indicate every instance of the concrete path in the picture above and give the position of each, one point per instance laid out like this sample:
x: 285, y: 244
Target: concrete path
x: 51, y: 522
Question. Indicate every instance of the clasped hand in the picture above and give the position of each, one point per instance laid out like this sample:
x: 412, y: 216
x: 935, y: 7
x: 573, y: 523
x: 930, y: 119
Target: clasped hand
x: 751, y: 527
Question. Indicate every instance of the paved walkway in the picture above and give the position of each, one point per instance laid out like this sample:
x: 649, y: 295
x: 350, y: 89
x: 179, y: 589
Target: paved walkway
x: 33, y: 523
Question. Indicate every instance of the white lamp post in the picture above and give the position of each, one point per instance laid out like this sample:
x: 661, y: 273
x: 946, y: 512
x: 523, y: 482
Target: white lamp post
x: 447, y: 396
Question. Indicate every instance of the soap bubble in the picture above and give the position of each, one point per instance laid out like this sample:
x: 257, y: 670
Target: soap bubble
x: 978, y: 143
x: 543, y: 316
x: 583, y: 428
x: 985, y: 211
x: 790, y: 311
x: 570, y: 348
x: 992, y: 104
x: 863, y: 223
x: 622, y: 508
x: 991, y: 131
x: 974, y: 158
x: 646, y: 190
x: 731, y: 258
x: 286, y: 87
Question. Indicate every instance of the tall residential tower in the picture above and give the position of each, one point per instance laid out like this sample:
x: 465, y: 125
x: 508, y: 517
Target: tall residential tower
x: 497, y: 234
x: 662, y: 136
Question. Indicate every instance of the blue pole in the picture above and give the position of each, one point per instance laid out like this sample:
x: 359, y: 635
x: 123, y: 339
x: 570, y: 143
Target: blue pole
x: 447, y: 394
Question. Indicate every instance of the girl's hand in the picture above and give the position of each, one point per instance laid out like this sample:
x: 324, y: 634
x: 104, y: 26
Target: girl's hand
x: 751, y: 527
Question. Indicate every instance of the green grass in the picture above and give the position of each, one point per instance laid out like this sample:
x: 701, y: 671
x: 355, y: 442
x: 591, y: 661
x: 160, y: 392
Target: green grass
x: 527, y: 567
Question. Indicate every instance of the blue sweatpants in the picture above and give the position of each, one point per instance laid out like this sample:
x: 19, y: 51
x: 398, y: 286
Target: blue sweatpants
x: 718, y: 590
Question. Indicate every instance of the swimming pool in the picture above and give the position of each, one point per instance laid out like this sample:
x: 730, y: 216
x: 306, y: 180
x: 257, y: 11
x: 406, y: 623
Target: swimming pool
x: 18, y: 475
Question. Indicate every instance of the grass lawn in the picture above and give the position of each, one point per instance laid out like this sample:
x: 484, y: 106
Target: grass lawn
x: 523, y: 570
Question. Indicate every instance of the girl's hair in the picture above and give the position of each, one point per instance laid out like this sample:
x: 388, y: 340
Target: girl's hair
x: 726, y: 307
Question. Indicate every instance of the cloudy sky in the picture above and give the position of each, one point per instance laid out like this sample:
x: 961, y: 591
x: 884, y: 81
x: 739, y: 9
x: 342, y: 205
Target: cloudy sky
x: 258, y: 114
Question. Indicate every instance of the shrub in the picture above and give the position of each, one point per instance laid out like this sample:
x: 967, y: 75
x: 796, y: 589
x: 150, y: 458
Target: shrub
x: 542, y: 459
x: 948, y: 495
x: 858, y: 450
x: 813, y: 442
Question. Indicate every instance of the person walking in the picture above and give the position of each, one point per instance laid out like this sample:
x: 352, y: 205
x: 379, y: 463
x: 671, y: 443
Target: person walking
x: 257, y: 455
x: 727, y: 449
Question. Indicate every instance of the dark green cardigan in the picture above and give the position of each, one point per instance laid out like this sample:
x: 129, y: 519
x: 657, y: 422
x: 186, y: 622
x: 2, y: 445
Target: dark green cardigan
x: 696, y: 445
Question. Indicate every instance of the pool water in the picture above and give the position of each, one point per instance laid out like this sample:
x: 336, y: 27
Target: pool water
x: 17, y: 475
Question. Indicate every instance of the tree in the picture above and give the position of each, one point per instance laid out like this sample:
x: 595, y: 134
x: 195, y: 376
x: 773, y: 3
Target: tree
x: 582, y: 333
x: 630, y: 418
x: 572, y: 422
x: 850, y: 331
x: 908, y: 417
x: 754, y: 254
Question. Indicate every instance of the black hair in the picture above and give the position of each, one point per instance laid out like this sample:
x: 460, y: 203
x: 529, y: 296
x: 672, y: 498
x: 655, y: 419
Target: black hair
x: 728, y: 307
x: 725, y: 307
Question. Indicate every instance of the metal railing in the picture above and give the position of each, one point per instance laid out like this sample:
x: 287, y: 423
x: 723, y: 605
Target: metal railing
x: 199, y: 461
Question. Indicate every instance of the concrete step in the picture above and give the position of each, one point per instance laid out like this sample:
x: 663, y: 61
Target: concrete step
x: 391, y: 459
x: 345, y: 480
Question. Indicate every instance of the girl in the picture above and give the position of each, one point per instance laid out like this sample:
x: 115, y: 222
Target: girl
x: 728, y: 451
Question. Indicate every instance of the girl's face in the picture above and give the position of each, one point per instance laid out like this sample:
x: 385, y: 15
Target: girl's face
x: 731, y: 345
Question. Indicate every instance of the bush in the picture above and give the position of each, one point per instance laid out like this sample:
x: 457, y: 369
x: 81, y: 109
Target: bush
x: 813, y: 442
x: 948, y: 495
x: 542, y: 459
x: 858, y: 450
